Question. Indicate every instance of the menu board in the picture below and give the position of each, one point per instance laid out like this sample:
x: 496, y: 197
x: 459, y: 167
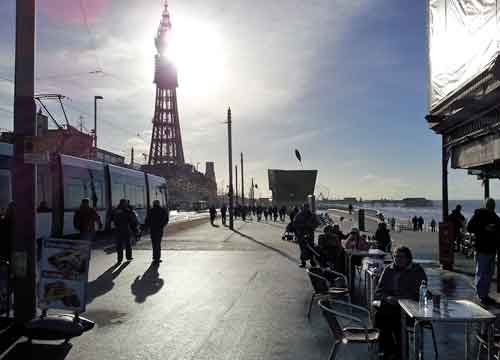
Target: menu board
x: 63, y: 274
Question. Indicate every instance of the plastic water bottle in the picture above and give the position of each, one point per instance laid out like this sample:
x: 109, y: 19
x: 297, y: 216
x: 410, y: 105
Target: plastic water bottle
x: 422, y: 294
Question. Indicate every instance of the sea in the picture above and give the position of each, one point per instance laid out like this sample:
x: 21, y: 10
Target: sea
x: 430, y: 212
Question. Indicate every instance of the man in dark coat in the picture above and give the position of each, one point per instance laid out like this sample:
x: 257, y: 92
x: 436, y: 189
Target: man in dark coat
x: 156, y: 220
x: 383, y: 237
x: 223, y: 211
x: 458, y: 221
x: 399, y: 280
x: 125, y: 220
x: 304, y: 224
x: 485, y: 224
x: 6, y: 230
x: 213, y: 214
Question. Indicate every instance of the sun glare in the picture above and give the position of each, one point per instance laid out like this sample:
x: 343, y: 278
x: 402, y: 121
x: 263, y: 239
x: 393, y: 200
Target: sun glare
x: 198, y: 53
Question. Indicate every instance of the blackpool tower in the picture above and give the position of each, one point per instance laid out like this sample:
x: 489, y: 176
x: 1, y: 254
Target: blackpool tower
x: 166, y: 142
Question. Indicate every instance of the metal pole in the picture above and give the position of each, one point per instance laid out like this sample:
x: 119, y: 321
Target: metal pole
x: 445, y: 179
x: 230, y: 154
x: 95, y: 118
x: 486, y: 183
x: 252, y: 195
x: 24, y: 175
x: 242, y: 183
x: 236, y: 179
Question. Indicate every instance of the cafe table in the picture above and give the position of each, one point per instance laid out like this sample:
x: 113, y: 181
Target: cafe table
x: 462, y: 312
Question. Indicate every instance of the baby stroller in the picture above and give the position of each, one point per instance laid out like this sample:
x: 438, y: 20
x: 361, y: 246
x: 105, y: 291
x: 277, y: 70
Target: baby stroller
x: 289, y: 234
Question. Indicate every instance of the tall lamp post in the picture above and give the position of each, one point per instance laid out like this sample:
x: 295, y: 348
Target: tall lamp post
x: 23, y: 173
x: 95, y: 118
x: 230, y: 154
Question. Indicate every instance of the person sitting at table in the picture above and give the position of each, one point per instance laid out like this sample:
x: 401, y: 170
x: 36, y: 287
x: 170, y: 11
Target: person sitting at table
x: 399, y: 280
x: 355, y: 241
x: 330, y: 246
x: 383, y: 238
x: 336, y: 230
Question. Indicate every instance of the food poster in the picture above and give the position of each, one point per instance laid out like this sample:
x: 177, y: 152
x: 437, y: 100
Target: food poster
x: 63, y: 274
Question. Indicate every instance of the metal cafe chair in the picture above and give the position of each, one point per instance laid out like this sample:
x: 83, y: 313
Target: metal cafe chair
x: 483, y: 345
x: 322, y: 287
x: 359, y: 329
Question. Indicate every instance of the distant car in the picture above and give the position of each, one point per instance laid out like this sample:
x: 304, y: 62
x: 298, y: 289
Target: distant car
x: 68, y: 261
x: 58, y: 291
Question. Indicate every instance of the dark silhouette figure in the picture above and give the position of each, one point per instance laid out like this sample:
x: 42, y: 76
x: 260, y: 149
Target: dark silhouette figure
x: 223, y: 212
x: 148, y: 284
x: 293, y: 213
x: 266, y: 213
x: 458, y: 221
x: 156, y: 220
x: 275, y: 213
x: 414, y: 221
x: 420, y: 221
x: 304, y: 224
x: 433, y: 225
x: 213, y: 214
x: 84, y: 220
x: 125, y: 221
x: 259, y: 213
x: 383, y: 237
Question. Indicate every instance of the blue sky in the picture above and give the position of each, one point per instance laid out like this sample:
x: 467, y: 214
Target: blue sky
x: 344, y: 81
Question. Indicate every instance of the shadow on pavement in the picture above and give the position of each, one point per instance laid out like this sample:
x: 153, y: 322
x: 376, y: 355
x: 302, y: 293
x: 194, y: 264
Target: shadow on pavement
x: 26, y: 351
x: 282, y: 253
x: 104, y: 283
x: 146, y: 285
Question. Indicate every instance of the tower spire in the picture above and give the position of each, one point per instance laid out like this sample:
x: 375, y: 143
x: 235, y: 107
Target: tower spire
x: 166, y: 142
x: 161, y: 40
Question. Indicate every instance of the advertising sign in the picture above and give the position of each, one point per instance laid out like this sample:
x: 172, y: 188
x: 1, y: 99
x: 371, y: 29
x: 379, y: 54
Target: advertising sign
x: 63, y: 274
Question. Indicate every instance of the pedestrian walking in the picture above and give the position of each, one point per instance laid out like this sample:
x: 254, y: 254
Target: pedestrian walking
x: 414, y: 221
x: 383, y: 237
x: 85, y: 219
x: 293, y: 213
x: 223, y: 211
x: 266, y: 213
x: 275, y: 213
x: 433, y: 225
x: 156, y: 220
x: 213, y: 214
x: 485, y: 225
x: 458, y: 223
x: 393, y: 223
x: 125, y: 221
x: 304, y: 224
x: 420, y: 222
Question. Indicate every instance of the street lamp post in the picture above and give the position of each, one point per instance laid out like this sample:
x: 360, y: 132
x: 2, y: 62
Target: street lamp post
x: 230, y: 154
x: 24, y: 174
x: 95, y: 119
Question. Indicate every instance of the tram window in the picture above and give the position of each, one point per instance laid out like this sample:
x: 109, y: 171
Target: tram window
x: 74, y: 192
x: 117, y: 192
x: 76, y: 189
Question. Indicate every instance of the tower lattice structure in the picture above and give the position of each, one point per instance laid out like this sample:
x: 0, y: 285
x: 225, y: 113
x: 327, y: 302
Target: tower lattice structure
x: 166, y: 142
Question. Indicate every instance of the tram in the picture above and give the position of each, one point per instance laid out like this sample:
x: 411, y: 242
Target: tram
x: 62, y: 184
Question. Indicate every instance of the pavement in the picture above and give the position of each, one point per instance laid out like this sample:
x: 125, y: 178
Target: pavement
x: 218, y: 294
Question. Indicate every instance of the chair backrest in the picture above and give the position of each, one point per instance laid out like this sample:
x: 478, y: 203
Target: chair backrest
x: 318, y: 282
x: 331, y: 319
